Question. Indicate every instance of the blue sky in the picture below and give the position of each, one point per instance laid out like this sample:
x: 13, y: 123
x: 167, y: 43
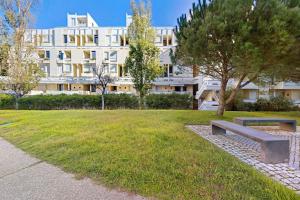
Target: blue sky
x: 52, y: 13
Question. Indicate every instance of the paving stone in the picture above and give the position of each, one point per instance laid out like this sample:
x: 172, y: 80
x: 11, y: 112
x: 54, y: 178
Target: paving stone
x: 249, y: 152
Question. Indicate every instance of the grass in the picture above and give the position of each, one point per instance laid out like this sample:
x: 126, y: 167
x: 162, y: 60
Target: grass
x: 150, y: 153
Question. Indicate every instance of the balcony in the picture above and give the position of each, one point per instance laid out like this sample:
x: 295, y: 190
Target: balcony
x: 287, y: 86
x: 174, y: 81
x: 170, y: 92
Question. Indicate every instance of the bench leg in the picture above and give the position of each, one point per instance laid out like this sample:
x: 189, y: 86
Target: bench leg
x: 217, y: 130
x: 274, y: 152
x: 288, y: 126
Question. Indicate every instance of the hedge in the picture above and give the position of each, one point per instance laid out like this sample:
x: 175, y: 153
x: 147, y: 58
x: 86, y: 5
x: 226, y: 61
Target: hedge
x: 112, y: 101
x: 7, y: 101
x: 275, y: 104
x: 169, y: 101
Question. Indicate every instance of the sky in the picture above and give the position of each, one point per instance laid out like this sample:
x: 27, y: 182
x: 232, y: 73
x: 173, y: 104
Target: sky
x: 52, y: 13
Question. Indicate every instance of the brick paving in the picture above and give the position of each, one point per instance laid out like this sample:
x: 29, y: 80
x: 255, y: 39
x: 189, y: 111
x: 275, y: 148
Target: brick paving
x: 248, y: 151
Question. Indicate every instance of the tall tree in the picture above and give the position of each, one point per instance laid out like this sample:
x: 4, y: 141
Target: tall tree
x: 239, y: 39
x: 4, y: 48
x: 143, y: 61
x: 23, y: 72
x: 103, y: 79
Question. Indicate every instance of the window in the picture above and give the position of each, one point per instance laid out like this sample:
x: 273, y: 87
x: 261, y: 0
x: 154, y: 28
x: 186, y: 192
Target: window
x: 166, y: 72
x: 165, y: 41
x: 44, y: 68
x: 72, y: 38
x: 46, y: 38
x: 184, y: 88
x: 61, y: 55
x: 65, y: 39
x: 96, y: 39
x: 60, y: 87
x: 177, y: 88
x: 113, y: 68
x: 107, y: 40
x: 68, y: 54
x: 106, y: 55
x: 170, y: 40
x: 67, y: 68
x: 171, y: 70
x: 113, y: 56
x: 59, y: 68
x: 87, y: 68
x: 114, y: 88
x: 47, y: 54
x: 73, y: 22
x: 114, y: 39
x: 93, y: 88
x: 93, y: 55
x: 90, y: 39
x: 158, y: 39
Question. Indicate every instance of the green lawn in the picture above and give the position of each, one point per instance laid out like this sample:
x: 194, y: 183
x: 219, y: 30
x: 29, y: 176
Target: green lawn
x: 146, y: 152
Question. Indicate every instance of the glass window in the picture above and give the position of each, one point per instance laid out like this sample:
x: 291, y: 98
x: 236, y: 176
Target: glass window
x: 48, y: 54
x: 61, y: 55
x: 106, y: 55
x: 87, y: 69
x: 107, y: 40
x: 93, y: 55
x: 96, y: 39
x: 113, y: 68
x: 67, y: 68
x: 113, y: 56
x: 114, y: 39
x: 60, y: 69
x: 65, y: 39
x: 73, y: 22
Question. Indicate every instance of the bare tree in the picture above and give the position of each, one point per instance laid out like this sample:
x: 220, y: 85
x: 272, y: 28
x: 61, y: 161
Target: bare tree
x: 103, y: 79
x: 23, y: 73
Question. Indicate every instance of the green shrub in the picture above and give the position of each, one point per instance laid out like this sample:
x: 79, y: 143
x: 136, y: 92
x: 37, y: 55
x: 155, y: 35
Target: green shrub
x: 7, y: 101
x: 60, y: 102
x: 112, y: 101
x: 169, y: 101
x: 275, y: 104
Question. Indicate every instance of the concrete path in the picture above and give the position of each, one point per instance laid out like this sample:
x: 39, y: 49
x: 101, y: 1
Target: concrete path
x: 23, y: 177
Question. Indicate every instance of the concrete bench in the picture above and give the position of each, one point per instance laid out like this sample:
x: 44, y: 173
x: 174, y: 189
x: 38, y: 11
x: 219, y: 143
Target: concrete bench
x: 285, y: 124
x: 275, y: 149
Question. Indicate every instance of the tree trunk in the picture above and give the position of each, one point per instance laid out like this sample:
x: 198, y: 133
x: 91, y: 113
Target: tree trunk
x: 17, y: 103
x: 222, y: 98
x: 141, y: 102
x: 102, y: 104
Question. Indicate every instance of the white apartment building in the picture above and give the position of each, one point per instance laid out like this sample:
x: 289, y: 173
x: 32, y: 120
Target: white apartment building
x: 68, y: 54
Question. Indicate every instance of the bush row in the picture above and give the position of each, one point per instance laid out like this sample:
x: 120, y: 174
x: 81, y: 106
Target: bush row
x: 112, y: 101
x: 275, y: 104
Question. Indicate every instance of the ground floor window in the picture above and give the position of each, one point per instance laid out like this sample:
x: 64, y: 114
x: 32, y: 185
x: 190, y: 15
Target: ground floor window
x: 177, y: 88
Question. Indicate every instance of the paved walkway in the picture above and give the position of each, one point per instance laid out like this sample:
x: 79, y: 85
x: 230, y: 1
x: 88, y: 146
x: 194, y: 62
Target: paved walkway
x: 248, y: 151
x: 23, y: 177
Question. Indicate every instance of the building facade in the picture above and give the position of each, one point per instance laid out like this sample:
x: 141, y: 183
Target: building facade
x: 67, y: 56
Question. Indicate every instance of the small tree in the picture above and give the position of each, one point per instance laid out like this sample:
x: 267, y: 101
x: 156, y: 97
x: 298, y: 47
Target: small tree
x: 239, y: 39
x: 4, y: 48
x: 23, y: 73
x: 102, y: 81
x: 143, y: 62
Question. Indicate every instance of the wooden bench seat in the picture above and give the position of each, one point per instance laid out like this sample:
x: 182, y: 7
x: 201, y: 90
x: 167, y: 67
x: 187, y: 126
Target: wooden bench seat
x: 275, y: 149
x: 285, y: 124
